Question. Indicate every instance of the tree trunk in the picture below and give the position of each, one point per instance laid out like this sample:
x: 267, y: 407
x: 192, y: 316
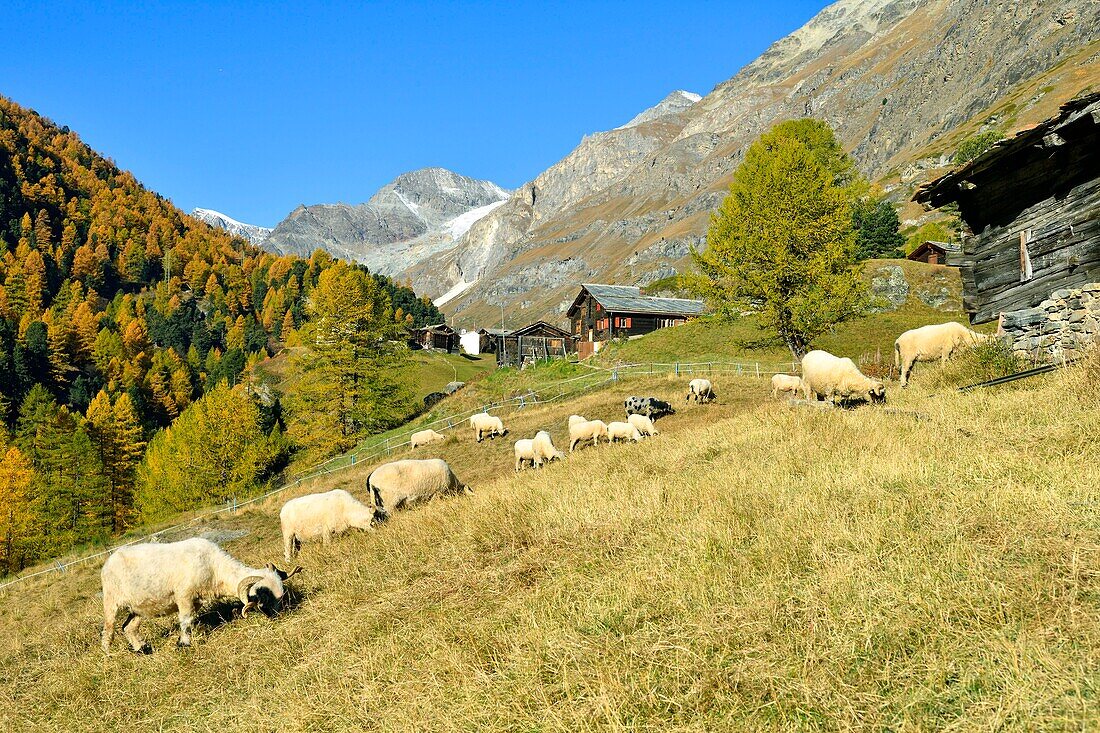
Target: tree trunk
x: 797, y: 345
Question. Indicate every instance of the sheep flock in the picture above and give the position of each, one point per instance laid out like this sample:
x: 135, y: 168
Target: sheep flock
x: 152, y: 579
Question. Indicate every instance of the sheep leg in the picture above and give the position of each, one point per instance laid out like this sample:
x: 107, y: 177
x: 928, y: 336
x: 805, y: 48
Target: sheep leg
x: 906, y: 369
x: 290, y: 546
x: 130, y: 631
x: 518, y: 462
x: 110, y: 611
x: 573, y: 444
x: 186, y: 608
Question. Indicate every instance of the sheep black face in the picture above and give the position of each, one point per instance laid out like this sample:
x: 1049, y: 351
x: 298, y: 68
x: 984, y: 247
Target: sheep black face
x: 265, y: 592
x: 878, y: 394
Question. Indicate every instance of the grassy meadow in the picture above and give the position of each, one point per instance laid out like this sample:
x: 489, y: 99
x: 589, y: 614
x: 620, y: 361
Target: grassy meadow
x: 934, y: 565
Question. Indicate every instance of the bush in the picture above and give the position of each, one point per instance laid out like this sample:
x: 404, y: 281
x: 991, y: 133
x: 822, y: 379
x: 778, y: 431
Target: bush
x: 972, y: 147
x: 985, y: 361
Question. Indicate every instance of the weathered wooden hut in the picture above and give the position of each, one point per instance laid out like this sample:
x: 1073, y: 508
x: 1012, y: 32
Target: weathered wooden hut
x: 439, y: 337
x: 602, y: 312
x: 934, y: 253
x: 492, y: 339
x: 1032, y: 205
x: 533, y: 342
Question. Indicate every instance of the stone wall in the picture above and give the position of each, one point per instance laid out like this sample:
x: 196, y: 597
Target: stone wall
x: 1059, y: 327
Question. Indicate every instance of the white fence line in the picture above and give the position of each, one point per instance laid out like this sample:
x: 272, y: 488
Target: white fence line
x: 386, y: 447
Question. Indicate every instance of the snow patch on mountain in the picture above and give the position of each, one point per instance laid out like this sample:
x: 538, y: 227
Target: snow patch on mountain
x: 674, y: 103
x: 456, y: 290
x: 461, y: 224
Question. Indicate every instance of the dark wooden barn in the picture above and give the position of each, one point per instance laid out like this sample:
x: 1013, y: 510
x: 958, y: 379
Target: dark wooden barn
x: 1032, y: 205
x: 492, y: 339
x: 439, y: 337
x: 603, y: 312
x: 934, y: 253
x: 534, y: 342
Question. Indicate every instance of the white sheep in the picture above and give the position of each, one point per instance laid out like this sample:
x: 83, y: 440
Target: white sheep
x: 622, y: 431
x: 399, y: 484
x: 486, y: 425
x: 838, y: 379
x: 545, y: 448
x: 782, y: 383
x: 152, y: 579
x: 576, y: 420
x: 321, y: 515
x: 582, y: 430
x: 700, y: 389
x: 643, y: 424
x: 424, y: 437
x: 929, y: 343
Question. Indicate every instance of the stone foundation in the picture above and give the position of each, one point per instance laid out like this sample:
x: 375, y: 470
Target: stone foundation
x: 1060, y: 327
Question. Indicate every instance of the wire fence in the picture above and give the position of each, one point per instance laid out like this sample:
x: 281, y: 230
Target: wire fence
x: 560, y: 390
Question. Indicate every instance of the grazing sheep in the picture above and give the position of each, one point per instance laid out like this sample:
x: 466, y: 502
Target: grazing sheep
x: 399, y: 484
x: 929, y: 343
x: 644, y: 425
x: 485, y: 424
x: 838, y: 379
x: 651, y: 407
x: 525, y: 453
x: 575, y: 419
x: 788, y: 383
x: 545, y: 449
x: 622, y: 431
x: 424, y: 437
x: 321, y: 515
x: 701, y: 389
x: 587, y: 430
x: 152, y: 579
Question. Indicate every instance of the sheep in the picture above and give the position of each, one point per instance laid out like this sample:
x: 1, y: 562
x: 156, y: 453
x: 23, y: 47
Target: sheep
x: 622, y: 431
x: 651, y: 407
x: 152, y: 579
x: 701, y: 389
x: 321, y: 515
x: 586, y: 430
x: 399, y: 484
x: 643, y: 424
x: 929, y: 343
x: 545, y: 449
x: 485, y: 424
x: 525, y: 453
x: 838, y: 379
x: 424, y: 437
x: 576, y: 419
x: 788, y: 383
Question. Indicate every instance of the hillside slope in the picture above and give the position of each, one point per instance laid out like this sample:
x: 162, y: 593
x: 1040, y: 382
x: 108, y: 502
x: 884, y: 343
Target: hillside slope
x: 754, y: 566
x: 902, y: 83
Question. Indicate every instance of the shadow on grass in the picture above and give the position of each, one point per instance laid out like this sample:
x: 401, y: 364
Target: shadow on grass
x: 226, y: 610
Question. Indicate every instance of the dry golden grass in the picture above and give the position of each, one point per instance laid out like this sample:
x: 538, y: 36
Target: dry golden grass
x: 754, y: 567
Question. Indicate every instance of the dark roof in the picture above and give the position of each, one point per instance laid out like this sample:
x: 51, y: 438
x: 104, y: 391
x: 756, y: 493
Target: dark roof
x: 495, y: 331
x: 945, y: 247
x: 629, y: 299
x: 542, y: 326
x: 437, y: 328
x: 945, y: 189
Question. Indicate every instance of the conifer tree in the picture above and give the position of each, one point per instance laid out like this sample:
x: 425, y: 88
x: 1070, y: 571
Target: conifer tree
x: 16, y: 512
x: 782, y: 242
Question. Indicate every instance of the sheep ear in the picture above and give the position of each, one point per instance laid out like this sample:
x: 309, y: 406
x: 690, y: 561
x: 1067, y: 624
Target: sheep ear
x: 291, y: 574
x: 272, y: 568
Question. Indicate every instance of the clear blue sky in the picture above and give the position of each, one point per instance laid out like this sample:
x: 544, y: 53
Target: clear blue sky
x: 254, y: 108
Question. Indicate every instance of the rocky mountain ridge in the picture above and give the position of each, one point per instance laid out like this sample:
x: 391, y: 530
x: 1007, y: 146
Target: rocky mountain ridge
x: 404, y: 222
x: 901, y: 81
x: 253, y: 233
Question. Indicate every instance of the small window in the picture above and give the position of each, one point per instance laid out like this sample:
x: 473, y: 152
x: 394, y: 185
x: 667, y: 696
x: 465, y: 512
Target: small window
x: 1025, y: 257
x: 626, y: 323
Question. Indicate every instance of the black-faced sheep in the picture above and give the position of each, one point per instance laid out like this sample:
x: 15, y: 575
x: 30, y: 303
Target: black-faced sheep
x: 701, y: 390
x: 782, y: 383
x: 929, y: 343
x: 486, y: 425
x: 400, y: 484
x: 424, y: 437
x: 321, y: 516
x: 838, y: 379
x: 153, y: 579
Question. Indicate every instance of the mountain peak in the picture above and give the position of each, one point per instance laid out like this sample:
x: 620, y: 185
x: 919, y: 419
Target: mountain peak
x: 674, y: 103
x: 251, y: 232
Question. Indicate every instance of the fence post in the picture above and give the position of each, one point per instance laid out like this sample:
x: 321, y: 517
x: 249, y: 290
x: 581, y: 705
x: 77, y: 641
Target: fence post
x: 677, y: 368
x: 757, y: 369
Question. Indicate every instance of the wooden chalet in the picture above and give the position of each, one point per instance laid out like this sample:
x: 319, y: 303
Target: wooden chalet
x: 534, y: 342
x: 603, y: 312
x: 1032, y: 203
x: 492, y: 339
x: 934, y: 253
x: 439, y: 337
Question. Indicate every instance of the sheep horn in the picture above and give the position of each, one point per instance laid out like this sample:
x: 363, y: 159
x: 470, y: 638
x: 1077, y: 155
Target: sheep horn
x: 244, y: 585
x: 285, y: 576
x: 248, y: 607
